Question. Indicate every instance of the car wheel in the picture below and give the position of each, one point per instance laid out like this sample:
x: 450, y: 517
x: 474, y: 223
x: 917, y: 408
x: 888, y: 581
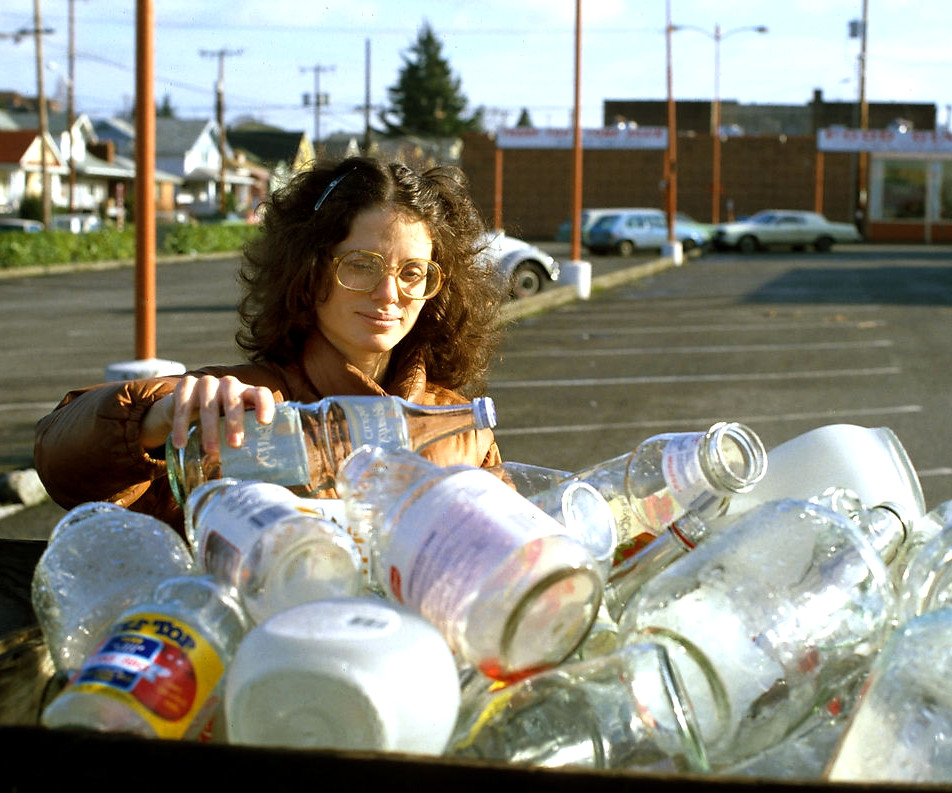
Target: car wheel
x: 747, y: 244
x: 625, y: 248
x: 823, y: 244
x: 688, y: 245
x: 527, y: 280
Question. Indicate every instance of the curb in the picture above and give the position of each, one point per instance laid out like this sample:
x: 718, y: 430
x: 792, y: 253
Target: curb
x: 112, y: 264
x: 561, y: 295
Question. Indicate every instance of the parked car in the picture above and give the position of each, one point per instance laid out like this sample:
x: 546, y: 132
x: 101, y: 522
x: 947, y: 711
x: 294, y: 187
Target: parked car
x: 19, y: 224
x: 76, y: 222
x: 588, y: 218
x: 526, y: 267
x: 626, y: 230
x: 784, y: 227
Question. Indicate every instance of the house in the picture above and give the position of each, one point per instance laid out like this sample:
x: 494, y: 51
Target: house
x: 187, y: 150
x: 273, y: 154
x: 21, y: 168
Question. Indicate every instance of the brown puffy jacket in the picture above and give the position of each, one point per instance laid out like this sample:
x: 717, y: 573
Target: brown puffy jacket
x: 88, y: 449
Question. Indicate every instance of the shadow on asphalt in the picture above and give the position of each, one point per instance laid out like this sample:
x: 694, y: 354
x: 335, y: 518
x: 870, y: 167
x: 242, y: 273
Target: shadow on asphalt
x: 919, y: 285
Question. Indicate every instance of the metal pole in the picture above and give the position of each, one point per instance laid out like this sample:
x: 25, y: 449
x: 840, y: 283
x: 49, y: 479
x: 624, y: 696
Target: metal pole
x: 577, y: 141
x: 497, y: 190
x: 716, y: 132
x: 862, y: 192
x: 671, y: 160
x: 44, y: 125
x: 145, y: 182
x: 70, y: 108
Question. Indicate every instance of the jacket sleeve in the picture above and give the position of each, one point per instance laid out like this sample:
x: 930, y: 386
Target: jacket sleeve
x: 88, y: 449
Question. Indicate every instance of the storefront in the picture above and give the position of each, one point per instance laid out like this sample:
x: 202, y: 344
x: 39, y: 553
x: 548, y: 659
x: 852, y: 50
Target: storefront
x: 910, y: 181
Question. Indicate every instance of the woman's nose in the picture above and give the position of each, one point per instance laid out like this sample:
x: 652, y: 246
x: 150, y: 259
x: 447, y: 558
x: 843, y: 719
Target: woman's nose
x: 387, y: 288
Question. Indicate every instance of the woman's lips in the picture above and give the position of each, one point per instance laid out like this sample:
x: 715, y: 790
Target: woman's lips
x: 382, y: 320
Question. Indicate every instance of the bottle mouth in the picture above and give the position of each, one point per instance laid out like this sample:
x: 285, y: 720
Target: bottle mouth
x: 738, y: 456
x: 484, y: 410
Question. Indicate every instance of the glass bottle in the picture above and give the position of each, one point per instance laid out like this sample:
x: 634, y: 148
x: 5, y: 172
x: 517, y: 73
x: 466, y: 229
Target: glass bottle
x: 670, y: 474
x: 501, y: 580
x: 899, y: 730
x: 884, y: 525
x: 925, y: 583
x: 776, y: 614
x: 306, y: 442
x: 584, y: 512
x: 624, y: 710
x: 100, y: 558
x: 159, y: 671
x: 275, y: 548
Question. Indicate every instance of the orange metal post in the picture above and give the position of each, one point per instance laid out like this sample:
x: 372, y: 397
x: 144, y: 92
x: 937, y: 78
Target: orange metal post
x: 577, y: 141
x: 145, y: 182
x: 497, y: 190
x: 818, y: 184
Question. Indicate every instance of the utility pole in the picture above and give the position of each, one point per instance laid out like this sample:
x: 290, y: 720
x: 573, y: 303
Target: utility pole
x: 44, y: 124
x: 366, y: 97
x: 863, y: 161
x: 220, y: 112
x: 70, y: 108
x: 319, y: 98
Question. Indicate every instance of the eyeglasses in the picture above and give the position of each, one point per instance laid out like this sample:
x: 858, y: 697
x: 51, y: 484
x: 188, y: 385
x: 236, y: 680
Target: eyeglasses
x: 362, y: 271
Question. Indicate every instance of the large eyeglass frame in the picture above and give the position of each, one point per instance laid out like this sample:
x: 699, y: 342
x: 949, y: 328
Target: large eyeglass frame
x: 387, y: 271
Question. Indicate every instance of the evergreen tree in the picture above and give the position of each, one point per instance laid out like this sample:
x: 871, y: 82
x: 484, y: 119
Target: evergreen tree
x: 427, y: 99
x: 524, y: 119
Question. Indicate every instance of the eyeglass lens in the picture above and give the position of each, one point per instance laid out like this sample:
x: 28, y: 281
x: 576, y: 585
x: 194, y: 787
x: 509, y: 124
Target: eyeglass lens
x: 362, y: 271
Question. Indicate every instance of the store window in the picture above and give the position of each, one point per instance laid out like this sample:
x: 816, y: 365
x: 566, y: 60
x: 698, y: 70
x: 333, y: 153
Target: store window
x: 945, y: 194
x: 904, y: 190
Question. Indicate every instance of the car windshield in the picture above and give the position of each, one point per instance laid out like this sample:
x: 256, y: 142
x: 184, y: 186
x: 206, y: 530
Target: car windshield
x: 605, y: 222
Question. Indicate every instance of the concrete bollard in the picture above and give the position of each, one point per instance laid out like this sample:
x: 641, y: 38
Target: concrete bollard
x: 143, y: 367
x: 578, y: 274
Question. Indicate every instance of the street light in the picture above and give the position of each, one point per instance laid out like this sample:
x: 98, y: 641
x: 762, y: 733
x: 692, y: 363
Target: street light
x: 717, y: 36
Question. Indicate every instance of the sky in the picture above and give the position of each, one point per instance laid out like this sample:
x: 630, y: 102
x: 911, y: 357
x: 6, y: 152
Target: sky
x: 509, y: 55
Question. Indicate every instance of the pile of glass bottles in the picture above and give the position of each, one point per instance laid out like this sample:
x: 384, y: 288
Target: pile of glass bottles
x: 697, y: 605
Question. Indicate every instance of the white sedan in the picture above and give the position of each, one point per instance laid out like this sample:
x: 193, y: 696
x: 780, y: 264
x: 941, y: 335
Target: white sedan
x: 786, y: 227
x: 526, y: 267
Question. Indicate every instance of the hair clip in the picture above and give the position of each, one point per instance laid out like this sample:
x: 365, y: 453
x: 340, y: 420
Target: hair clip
x: 331, y: 186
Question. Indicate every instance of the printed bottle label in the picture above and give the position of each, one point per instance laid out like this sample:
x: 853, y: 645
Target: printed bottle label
x: 237, y: 517
x: 272, y: 452
x: 377, y: 421
x: 159, y: 666
x: 681, y: 466
x: 446, y: 545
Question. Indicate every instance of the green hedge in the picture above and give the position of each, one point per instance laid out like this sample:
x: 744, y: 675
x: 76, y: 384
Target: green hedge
x: 21, y: 249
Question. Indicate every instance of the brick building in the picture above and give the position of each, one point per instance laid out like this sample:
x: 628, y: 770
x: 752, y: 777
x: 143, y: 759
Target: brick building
x: 774, y: 164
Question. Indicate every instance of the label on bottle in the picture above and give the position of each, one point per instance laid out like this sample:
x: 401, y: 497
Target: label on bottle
x: 681, y: 467
x: 272, y: 452
x: 445, y: 545
x: 159, y: 666
x: 377, y: 421
x: 236, y: 518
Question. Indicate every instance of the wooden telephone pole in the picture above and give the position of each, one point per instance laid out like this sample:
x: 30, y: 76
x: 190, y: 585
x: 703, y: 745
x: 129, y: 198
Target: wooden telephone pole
x: 220, y: 112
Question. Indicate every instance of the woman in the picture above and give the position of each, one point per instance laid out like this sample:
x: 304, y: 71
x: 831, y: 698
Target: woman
x: 364, y: 280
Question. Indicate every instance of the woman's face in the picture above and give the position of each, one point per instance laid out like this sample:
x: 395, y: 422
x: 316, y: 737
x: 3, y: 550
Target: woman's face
x: 365, y: 325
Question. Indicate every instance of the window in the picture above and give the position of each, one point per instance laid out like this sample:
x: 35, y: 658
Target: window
x: 904, y: 190
x: 945, y: 197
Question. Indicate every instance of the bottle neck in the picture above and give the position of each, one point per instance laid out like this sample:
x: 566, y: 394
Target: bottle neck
x: 885, y: 528
x: 733, y: 457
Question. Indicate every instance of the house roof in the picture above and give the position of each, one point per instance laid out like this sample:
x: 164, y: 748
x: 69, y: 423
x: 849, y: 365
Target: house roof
x: 267, y: 146
x: 14, y: 144
x: 175, y: 136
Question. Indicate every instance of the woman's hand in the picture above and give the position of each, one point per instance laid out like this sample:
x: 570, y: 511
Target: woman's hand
x: 206, y: 399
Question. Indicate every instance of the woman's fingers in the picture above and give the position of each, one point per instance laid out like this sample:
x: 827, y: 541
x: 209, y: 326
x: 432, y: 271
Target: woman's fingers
x: 209, y: 399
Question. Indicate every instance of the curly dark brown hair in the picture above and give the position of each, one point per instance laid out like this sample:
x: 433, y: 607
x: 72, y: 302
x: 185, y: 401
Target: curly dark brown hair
x: 286, y: 268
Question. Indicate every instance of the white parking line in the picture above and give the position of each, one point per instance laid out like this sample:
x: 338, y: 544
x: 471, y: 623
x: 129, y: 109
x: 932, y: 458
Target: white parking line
x: 759, y: 327
x: 589, y: 382
x: 46, y: 407
x: 840, y: 415
x: 713, y: 348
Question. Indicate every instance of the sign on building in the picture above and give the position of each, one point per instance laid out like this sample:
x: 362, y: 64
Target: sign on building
x: 596, y: 138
